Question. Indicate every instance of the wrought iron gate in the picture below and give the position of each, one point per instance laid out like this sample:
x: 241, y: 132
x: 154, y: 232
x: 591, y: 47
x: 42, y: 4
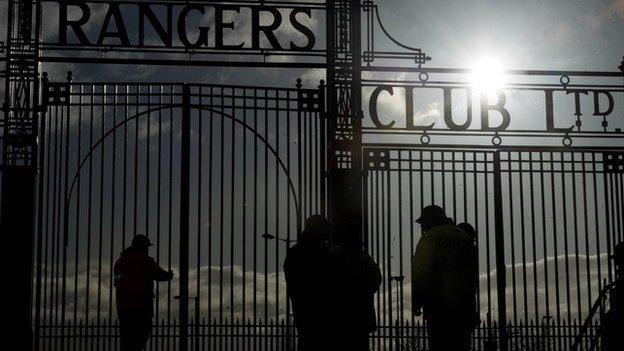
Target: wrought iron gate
x: 200, y: 169
x: 560, y: 213
x: 220, y: 177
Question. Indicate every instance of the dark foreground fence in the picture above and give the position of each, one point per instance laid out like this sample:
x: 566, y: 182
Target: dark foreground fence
x: 545, y: 334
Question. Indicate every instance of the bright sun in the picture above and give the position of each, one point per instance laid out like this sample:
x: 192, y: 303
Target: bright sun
x: 487, y: 76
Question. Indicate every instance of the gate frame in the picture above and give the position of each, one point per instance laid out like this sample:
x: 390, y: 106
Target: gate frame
x: 344, y: 135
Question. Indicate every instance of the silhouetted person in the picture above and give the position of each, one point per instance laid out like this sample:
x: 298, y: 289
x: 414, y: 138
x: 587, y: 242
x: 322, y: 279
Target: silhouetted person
x: 472, y: 233
x: 357, y: 278
x: 614, y: 320
x: 443, y: 281
x: 470, y: 230
x: 308, y: 273
x: 135, y: 273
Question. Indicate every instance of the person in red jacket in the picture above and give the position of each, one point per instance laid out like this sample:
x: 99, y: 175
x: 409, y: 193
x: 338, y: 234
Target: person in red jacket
x: 135, y: 273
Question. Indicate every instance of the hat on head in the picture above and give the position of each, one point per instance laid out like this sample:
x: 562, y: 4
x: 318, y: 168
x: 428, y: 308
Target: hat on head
x: 431, y: 211
x: 141, y: 240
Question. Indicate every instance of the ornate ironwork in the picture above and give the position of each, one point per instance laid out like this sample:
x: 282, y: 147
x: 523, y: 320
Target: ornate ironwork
x: 370, y: 53
x: 614, y: 163
x: 179, y: 38
x: 603, y: 96
x: 372, y: 161
x: 118, y: 148
x: 19, y: 158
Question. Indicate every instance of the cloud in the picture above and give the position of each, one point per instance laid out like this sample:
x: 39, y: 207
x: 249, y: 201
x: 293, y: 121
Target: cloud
x: 312, y: 77
x: 517, y: 298
x: 561, y: 35
x: 430, y: 114
x: 224, y: 292
x: 232, y: 288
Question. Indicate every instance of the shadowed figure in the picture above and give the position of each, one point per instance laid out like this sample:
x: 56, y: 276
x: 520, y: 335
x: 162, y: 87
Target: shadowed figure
x: 135, y: 273
x: 614, y: 319
x: 357, y: 278
x: 307, y: 270
x: 443, y: 281
x: 472, y: 233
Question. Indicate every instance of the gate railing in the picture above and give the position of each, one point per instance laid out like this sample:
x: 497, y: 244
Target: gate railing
x: 273, y: 335
x: 558, y: 219
x: 598, y: 307
x: 111, y: 168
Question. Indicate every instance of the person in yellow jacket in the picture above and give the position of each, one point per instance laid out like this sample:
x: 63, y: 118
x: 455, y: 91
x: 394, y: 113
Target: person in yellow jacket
x: 443, y: 281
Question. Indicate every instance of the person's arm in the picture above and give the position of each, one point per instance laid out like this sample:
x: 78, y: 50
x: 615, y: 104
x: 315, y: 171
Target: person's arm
x: 161, y: 275
x: 374, y: 276
x: 422, y: 266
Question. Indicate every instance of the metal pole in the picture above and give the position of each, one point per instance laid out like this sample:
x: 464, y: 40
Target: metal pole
x: 500, y: 253
x: 197, y: 321
x: 344, y: 132
x: 185, y: 159
x: 19, y: 162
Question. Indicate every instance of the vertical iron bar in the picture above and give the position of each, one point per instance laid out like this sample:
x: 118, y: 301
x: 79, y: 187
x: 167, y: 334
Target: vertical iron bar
x: 555, y: 246
x: 533, y: 237
x: 565, y: 231
x: 606, y: 187
x: 596, y: 218
x: 586, y: 230
x: 198, y: 220
x: 185, y: 154
x: 512, y: 236
x: 388, y: 218
x: 576, y: 239
x: 544, y: 241
x: 522, y: 236
x: 40, y: 208
x: 500, y: 253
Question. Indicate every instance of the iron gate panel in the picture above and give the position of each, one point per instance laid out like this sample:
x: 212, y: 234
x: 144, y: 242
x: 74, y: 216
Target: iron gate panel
x: 257, y: 156
x: 112, y: 169
x: 107, y: 167
x: 399, y: 183
x: 558, y: 204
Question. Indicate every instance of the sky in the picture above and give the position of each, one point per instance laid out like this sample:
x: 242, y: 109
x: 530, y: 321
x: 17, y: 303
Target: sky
x: 544, y: 35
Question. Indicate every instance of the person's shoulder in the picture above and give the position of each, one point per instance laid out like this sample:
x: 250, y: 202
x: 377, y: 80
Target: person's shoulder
x: 149, y: 259
x: 118, y: 263
x: 436, y: 233
x: 459, y: 235
x: 294, y: 248
x: 294, y: 251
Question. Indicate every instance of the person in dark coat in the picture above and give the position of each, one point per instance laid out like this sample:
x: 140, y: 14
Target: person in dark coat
x: 613, y: 322
x: 443, y: 281
x: 307, y: 271
x: 135, y: 273
x: 472, y: 233
x: 357, y: 278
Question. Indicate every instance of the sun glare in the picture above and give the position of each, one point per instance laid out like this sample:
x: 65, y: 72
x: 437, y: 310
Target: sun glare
x: 487, y: 76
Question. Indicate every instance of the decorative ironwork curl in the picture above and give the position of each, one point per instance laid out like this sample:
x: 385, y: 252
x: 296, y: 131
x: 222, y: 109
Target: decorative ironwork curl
x: 370, y: 54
